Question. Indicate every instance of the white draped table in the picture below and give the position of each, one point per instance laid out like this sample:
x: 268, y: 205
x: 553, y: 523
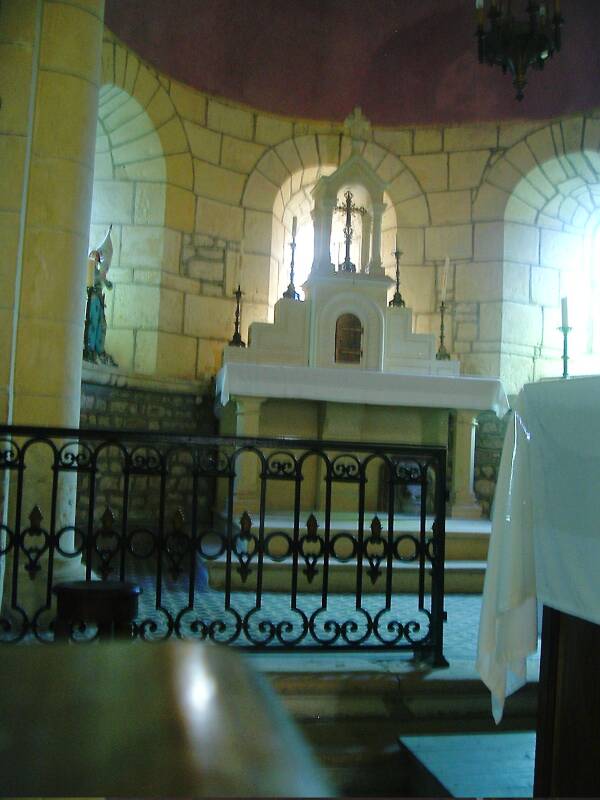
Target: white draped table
x: 345, y: 385
x: 545, y: 542
x: 251, y: 384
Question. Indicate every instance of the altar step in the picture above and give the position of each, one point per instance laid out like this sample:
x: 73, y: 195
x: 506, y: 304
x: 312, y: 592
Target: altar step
x: 466, y: 553
x: 461, y: 577
x: 353, y: 722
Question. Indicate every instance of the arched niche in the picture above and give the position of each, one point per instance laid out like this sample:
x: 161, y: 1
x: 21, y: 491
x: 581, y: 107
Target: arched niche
x: 355, y: 172
x: 538, y: 208
x: 348, y: 339
x: 143, y: 185
x: 130, y: 193
x: 360, y: 307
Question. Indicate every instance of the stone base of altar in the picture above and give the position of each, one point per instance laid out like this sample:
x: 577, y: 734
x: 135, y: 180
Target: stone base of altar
x: 325, y: 421
x: 466, y: 551
x: 346, y: 405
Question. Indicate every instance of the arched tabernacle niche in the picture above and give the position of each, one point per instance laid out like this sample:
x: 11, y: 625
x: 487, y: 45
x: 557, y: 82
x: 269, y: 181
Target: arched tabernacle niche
x: 348, y: 339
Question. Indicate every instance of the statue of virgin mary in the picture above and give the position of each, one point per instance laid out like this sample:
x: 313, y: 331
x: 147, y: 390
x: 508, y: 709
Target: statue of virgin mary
x: 95, y: 318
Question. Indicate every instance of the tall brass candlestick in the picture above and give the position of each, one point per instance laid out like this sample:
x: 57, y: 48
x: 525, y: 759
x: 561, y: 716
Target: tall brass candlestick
x: 565, y: 330
x: 442, y: 354
x: 237, y: 340
x: 397, y: 300
x: 291, y: 292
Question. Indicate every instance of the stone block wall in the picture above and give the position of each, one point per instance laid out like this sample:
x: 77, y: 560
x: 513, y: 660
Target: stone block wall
x: 139, y: 409
x: 488, y: 450
x: 202, y: 193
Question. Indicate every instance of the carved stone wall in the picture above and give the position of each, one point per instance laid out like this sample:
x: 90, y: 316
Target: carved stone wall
x: 130, y: 409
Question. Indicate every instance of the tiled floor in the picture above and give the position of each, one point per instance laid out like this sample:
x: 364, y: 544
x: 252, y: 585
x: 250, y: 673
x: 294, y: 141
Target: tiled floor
x: 460, y: 630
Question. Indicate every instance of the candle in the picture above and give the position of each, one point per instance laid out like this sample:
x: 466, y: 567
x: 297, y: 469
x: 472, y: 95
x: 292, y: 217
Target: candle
x: 444, y: 286
x: 397, y: 248
x: 565, y: 312
x: 294, y: 227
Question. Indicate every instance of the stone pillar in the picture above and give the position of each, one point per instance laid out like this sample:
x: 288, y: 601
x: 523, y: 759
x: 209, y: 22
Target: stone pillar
x: 247, y: 423
x: 464, y: 503
x: 60, y: 81
x: 365, y: 250
x: 375, y: 265
x: 322, y: 219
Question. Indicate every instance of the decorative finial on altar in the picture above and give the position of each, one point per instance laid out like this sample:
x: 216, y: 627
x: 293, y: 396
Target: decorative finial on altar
x: 358, y: 128
x: 237, y: 340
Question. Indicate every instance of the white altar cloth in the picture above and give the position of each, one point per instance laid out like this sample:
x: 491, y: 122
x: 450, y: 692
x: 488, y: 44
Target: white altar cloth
x: 545, y: 542
x: 347, y: 385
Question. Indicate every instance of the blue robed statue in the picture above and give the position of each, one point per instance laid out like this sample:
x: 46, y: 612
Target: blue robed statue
x: 95, y: 318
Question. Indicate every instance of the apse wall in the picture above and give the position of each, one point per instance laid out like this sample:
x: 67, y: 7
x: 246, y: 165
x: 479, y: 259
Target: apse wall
x: 232, y: 181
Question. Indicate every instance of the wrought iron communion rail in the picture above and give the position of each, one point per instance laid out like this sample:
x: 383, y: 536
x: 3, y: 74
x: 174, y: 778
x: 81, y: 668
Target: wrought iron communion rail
x: 265, y: 543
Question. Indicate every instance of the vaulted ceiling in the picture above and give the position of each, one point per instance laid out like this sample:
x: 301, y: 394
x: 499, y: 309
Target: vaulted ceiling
x: 402, y: 61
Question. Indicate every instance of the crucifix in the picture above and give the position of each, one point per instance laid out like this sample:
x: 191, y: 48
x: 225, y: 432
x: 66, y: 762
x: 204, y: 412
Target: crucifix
x: 348, y: 209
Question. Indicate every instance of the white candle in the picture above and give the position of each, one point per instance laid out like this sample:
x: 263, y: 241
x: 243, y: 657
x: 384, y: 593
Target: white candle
x: 397, y: 248
x: 565, y: 312
x: 445, y: 272
x: 294, y: 227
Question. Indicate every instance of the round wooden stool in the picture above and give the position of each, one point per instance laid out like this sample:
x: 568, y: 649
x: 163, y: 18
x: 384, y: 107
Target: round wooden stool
x: 111, y: 605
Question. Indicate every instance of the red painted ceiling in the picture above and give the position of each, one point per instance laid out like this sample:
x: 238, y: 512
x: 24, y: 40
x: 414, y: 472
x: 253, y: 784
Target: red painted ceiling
x: 403, y: 61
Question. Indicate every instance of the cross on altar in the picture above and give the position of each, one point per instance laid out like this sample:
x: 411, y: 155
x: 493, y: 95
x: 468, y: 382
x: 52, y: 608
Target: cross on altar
x: 348, y: 208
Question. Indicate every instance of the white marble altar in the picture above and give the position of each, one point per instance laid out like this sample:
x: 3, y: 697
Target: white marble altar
x: 344, y: 364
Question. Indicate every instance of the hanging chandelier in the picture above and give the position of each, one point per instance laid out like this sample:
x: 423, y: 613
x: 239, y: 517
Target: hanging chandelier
x: 517, y: 44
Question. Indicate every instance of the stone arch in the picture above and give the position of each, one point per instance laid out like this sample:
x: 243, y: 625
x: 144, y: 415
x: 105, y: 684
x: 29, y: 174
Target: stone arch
x: 295, y: 165
x: 143, y: 181
x: 122, y: 68
x: 534, y: 206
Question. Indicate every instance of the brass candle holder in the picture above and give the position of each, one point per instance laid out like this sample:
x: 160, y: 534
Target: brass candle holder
x: 565, y: 330
x: 291, y: 292
x: 397, y: 300
x: 237, y: 340
x: 442, y: 354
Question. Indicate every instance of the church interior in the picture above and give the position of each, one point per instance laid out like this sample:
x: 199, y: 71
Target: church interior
x: 274, y: 273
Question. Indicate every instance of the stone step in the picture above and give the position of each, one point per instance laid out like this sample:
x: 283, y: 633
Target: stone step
x: 353, y: 722
x: 409, y: 700
x: 498, y: 764
x: 466, y: 539
x: 461, y: 577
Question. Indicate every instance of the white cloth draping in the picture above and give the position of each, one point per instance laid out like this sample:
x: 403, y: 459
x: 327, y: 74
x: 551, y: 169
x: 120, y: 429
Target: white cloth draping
x: 346, y: 385
x: 545, y: 541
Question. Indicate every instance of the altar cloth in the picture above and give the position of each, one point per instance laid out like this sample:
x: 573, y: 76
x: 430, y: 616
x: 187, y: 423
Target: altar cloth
x: 347, y: 385
x: 545, y: 541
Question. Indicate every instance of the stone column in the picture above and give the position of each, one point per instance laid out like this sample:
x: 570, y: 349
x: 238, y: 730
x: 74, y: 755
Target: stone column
x: 464, y: 503
x: 60, y: 82
x: 365, y: 250
x: 375, y: 265
x: 247, y: 423
x: 322, y: 219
